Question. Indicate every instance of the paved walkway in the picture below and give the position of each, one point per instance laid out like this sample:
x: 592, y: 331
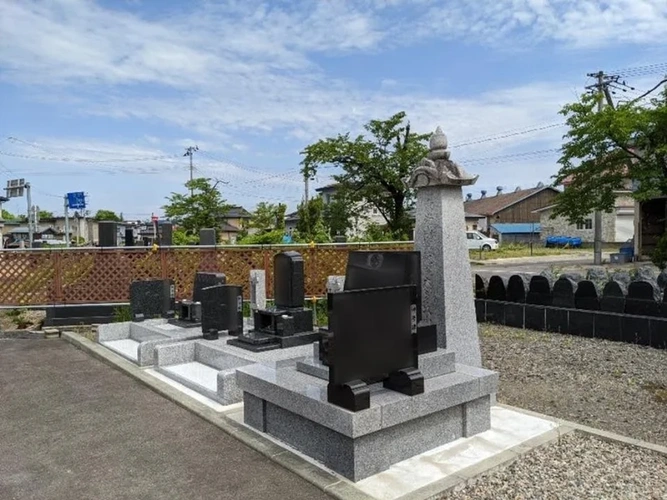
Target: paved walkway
x: 72, y: 427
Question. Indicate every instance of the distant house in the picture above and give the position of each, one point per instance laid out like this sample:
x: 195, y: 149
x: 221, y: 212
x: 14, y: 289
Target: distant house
x: 617, y: 226
x: 650, y: 220
x: 47, y: 235
x: 291, y: 220
x: 363, y: 214
x: 514, y: 207
x: 235, y: 220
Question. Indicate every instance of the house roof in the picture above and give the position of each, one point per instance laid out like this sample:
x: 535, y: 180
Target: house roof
x: 292, y: 216
x: 228, y: 228
x: 237, y: 212
x: 328, y: 187
x: 516, y: 228
x: 491, y: 205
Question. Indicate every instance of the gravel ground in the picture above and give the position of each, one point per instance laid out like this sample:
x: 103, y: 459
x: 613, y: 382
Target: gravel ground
x: 576, y: 467
x: 613, y: 386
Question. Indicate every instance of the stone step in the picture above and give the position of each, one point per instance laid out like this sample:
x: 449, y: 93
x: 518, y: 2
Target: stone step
x: 125, y: 347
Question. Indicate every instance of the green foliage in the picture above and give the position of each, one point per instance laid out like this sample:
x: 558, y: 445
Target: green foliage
x: 107, y: 215
x: 373, y: 169
x: 659, y: 255
x: 122, y: 314
x: 604, y: 150
x: 17, y: 316
x: 337, y: 216
x: 205, y: 208
x: 268, y: 217
x: 267, y: 238
x: 7, y: 215
x: 45, y: 214
x: 377, y: 232
x: 310, y: 226
x: 180, y: 237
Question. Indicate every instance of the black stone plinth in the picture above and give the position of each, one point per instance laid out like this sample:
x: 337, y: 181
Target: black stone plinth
x: 534, y: 317
x: 257, y: 341
x: 556, y: 320
x: 409, y: 381
x: 353, y: 396
x: 609, y: 326
x: 581, y: 323
x: 495, y: 312
x: 514, y: 315
x: 658, y: 328
x: 283, y: 322
x: 636, y: 330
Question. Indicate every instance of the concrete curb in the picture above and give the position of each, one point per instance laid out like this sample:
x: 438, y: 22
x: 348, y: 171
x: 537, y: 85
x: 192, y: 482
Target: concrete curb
x: 597, y: 433
x: 331, y: 484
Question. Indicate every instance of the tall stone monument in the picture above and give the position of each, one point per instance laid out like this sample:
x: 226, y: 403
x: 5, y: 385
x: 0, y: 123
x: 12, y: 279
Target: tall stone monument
x: 447, y: 288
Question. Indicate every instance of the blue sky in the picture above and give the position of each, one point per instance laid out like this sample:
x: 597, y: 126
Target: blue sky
x: 104, y: 96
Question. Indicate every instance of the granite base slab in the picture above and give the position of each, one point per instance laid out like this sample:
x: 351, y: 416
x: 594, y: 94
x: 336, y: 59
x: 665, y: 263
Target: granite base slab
x: 292, y: 406
x: 209, y: 367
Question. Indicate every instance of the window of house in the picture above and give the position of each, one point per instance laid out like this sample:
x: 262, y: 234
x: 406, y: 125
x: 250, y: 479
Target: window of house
x: 587, y: 224
x: 474, y: 227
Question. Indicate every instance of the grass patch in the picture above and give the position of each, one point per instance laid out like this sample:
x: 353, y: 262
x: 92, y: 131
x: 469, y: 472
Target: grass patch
x: 516, y: 251
x: 658, y: 391
x: 122, y: 314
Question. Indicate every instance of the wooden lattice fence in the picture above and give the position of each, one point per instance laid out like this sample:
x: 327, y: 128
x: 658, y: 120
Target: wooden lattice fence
x: 102, y: 275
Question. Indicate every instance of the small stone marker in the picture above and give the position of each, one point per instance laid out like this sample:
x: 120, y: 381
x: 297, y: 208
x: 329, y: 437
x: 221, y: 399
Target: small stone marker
x: 257, y: 289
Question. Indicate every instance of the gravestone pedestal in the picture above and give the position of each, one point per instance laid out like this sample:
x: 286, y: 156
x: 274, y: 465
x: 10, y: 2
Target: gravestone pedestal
x: 447, y: 291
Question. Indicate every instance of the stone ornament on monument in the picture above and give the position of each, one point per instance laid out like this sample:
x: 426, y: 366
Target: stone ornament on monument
x: 447, y: 290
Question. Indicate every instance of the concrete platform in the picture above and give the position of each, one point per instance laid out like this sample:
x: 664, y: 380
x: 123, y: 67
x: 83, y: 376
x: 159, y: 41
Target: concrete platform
x: 292, y: 406
x: 209, y: 367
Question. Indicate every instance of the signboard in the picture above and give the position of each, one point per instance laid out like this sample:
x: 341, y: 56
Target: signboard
x: 15, y: 188
x: 76, y: 200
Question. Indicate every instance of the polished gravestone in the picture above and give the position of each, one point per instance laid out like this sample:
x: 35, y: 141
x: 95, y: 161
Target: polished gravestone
x: 372, y: 269
x: 517, y: 289
x: 222, y: 311
x: 205, y: 280
x: 287, y: 323
x: 496, y: 295
x: 582, y: 319
x: 643, y: 298
x: 613, y: 297
x: 152, y: 299
x: 481, y: 285
x: 539, y: 296
x: 373, y: 338
x: 190, y: 311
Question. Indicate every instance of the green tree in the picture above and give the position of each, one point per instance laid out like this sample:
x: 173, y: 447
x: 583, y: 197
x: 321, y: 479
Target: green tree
x: 7, y: 215
x: 373, y: 169
x: 604, y: 150
x: 268, y: 217
x: 45, y: 214
x: 310, y: 226
x: 205, y: 208
x: 337, y: 216
x: 107, y: 215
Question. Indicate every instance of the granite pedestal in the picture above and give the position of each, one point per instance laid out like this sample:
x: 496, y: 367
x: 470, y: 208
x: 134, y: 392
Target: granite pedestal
x: 209, y: 367
x: 292, y: 406
x: 137, y: 341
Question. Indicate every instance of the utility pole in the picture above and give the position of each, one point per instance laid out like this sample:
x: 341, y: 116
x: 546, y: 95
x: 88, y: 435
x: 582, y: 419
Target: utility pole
x: 30, y: 214
x: 604, y: 86
x: 67, y: 238
x: 190, y: 152
x: 305, y: 185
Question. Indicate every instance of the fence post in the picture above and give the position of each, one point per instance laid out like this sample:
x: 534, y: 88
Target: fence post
x: 57, y: 291
x: 164, y: 264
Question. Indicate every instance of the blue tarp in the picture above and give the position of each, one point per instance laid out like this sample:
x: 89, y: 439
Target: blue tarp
x: 516, y: 228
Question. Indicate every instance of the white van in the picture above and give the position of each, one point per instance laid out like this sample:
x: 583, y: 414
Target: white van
x: 477, y: 240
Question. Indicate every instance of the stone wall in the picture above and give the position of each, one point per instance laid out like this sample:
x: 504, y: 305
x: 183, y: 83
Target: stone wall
x: 560, y: 227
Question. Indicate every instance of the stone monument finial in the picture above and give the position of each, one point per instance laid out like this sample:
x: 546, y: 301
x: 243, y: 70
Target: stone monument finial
x: 437, y: 169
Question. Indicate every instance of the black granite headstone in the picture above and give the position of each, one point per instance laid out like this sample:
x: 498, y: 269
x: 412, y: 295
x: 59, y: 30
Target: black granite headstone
x: 288, y: 280
x: 563, y: 293
x: 643, y: 299
x: 204, y: 280
x: 497, y: 289
x: 165, y: 234
x: 222, y: 309
x: 613, y: 297
x: 517, y: 288
x: 129, y: 237
x: 480, y: 287
x: 152, y: 298
x: 539, y: 291
x: 373, y: 336
x: 108, y: 233
x: 586, y: 296
x: 207, y: 237
x: 368, y: 269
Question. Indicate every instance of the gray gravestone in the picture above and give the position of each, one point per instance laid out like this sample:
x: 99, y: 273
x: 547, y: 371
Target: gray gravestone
x: 257, y: 289
x: 207, y: 237
x: 335, y: 284
x: 448, y: 297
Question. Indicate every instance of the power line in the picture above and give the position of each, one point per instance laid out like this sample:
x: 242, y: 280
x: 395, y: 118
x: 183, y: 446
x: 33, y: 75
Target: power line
x: 508, y: 134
